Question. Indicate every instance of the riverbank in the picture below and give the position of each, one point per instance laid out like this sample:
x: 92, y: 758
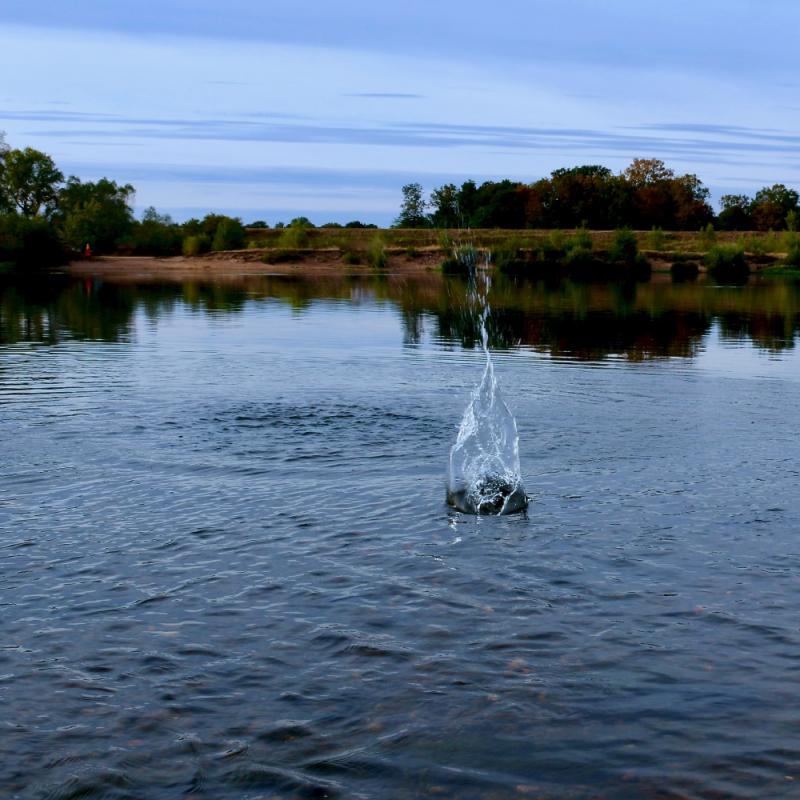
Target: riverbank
x: 321, y: 262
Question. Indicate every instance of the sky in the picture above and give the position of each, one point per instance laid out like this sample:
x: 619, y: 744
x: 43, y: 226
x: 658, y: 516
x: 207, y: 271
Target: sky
x: 270, y: 109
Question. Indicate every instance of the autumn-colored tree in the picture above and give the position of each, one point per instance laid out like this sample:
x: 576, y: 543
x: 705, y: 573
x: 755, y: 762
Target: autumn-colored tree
x: 647, y: 171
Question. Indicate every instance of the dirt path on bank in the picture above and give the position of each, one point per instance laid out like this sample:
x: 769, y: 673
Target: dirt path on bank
x: 226, y: 265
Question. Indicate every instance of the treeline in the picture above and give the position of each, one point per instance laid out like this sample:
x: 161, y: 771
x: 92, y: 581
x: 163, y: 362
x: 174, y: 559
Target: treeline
x: 46, y: 219
x: 644, y: 196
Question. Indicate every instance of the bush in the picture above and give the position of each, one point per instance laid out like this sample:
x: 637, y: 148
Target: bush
x: 793, y: 254
x: 412, y: 253
x: 31, y: 243
x: 656, y: 239
x: 229, y: 234
x: 508, y: 257
x: 293, y: 238
x: 282, y: 256
x: 350, y: 258
x: 707, y: 237
x: 624, y: 248
x: 753, y: 244
x: 376, y: 253
x: 196, y: 245
x: 552, y: 248
x: 580, y: 240
x: 726, y: 261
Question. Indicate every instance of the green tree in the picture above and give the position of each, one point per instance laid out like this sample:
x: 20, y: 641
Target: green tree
x: 736, y: 213
x: 155, y: 235
x: 444, y: 202
x: 412, y: 209
x: 96, y: 213
x: 29, y: 182
x: 229, y: 235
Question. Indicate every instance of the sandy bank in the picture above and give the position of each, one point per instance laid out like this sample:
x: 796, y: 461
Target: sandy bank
x: 180, y: 268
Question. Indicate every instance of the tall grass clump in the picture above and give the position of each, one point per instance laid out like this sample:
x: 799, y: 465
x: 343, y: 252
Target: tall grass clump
x: 196, y: 245
x: 350, y: 258
x: 793, y: 253
x: 656, y: 239
x: 707, y: 237
x: 727, y: 262
x: 624, y: 247
x: 295, y: 237
x: 376, y: 253
x: 752, y: 244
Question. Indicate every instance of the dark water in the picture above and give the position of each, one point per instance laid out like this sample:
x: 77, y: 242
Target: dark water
x: 227, y: 569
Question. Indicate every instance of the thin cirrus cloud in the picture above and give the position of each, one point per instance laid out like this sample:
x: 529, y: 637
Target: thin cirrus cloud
x: 668, y: 139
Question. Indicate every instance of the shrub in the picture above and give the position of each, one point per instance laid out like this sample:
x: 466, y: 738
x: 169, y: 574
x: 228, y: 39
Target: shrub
x: 656, y: 239
x: 580, y: 240
x: 508, y: 257
x: 376, y: 253
x: 282, y: 256
x: 552, y: 248
x: 793, y: 254
x: 229, y: 235
x: 350, y: 258
x: 752, y: 244
x: 196, y: 245
x: 624, y: 248
x: 293, y: 238
x: 726, y: 261
x: 707, y: 237
x: 29, y: 242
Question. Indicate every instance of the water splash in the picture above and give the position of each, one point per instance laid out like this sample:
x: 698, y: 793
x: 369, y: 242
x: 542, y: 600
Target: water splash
x: 484, y: 475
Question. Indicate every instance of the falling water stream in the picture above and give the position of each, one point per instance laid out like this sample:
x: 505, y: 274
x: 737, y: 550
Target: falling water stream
x: 484, y: 475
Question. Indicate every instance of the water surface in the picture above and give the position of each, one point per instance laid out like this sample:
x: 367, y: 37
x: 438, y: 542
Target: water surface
x: 227, y: 569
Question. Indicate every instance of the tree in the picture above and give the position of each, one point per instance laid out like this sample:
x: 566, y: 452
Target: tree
x: 229, y: 235
x: 736, y: 213
x: 95, y: 213
x: 301, y: 222
x: 444, y: 202
x: 589, y: 195
x: 155, y: 235
x: 412, y: 210
x: 647, y: 171
x: 29, y: 182
x: 772, y: 204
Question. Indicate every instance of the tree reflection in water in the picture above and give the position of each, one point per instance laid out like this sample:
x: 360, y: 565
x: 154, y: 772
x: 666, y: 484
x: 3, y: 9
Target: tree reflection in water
x: 582, y: 321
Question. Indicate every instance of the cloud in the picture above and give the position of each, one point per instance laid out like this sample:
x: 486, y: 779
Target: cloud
x: 665, y: 140
x: 386, y: 95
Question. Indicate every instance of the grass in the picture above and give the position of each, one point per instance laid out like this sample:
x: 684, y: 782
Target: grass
x: 523, y: 251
